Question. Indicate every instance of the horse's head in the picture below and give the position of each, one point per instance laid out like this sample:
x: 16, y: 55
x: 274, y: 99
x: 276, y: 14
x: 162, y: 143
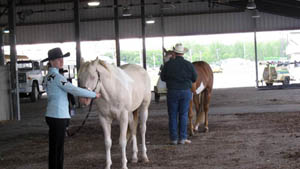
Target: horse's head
x: 89, y: 76
x: 168, y: 54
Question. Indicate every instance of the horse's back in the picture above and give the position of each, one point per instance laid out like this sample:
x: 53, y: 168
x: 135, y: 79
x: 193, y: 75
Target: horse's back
x: 205, y: 74
x: 137, y: 73
x: 141, y: 83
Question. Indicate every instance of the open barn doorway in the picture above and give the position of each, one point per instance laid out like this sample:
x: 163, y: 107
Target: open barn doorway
x: 231, y: 56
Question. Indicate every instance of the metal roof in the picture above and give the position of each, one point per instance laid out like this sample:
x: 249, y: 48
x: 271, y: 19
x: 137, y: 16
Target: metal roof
x: 41, y: 21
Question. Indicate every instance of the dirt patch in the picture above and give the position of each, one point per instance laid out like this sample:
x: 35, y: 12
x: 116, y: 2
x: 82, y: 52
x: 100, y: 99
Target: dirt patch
x: 240, y: 139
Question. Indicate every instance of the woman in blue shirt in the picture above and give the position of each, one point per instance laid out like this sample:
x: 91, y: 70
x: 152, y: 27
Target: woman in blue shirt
x: 57, y: 114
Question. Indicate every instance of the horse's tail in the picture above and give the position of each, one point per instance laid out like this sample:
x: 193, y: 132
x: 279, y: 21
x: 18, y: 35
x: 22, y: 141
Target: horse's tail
x: 132, y: 129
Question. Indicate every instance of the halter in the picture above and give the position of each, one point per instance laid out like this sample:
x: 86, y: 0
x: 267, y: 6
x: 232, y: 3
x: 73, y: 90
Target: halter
x: 98, y: 80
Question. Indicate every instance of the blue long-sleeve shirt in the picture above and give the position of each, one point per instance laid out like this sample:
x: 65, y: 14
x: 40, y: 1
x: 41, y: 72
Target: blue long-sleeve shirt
x: 57, y: 88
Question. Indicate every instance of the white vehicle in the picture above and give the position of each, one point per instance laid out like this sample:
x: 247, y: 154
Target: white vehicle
x: 30, y: 79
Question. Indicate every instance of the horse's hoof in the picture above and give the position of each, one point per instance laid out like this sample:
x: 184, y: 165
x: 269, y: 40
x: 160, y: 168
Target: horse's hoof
x: 134, y: 160
x: 107, y: 167
x: 192, y: 133
x: 146, y: 160
x: 206, y: 130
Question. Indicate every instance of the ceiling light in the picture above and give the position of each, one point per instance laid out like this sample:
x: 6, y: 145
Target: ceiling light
x: 6, y: 30
x: 126, y: 12
x: 94, y: 3
x: 251, y: 5
x: 150, y: 20
x: 24, y: 13
x: 255, y: 14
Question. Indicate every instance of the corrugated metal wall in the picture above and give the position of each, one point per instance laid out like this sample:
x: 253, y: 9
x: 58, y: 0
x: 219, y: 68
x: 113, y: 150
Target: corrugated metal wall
x: 98, y: 23
x: 274, y: 22
x: 45, y: 33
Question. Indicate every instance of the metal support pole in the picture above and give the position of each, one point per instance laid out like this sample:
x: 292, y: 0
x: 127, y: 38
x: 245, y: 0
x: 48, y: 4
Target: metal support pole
x: 162, y: 26
x: 117, y: 34
x: 2, y: 59
x: 13, y: 66
x: 256, y: 60
x: 77, y: 34
x: 143, y: 32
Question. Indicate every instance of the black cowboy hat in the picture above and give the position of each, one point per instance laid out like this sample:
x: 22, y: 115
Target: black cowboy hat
x: 55, y: 53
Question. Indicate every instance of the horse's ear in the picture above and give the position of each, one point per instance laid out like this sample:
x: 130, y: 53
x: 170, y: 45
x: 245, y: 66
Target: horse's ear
x: 97, y: 58
x: 81, y: 60
x: 165, y: 50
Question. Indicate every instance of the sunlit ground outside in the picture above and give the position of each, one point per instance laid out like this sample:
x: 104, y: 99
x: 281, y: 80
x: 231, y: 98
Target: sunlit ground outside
x: 231, y: 56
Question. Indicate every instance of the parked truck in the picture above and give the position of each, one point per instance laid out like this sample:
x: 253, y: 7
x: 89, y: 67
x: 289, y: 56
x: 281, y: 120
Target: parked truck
x: 30, y: 77
x: 277, y: 72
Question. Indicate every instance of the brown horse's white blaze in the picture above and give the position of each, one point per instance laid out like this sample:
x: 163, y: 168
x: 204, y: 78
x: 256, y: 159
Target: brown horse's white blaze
x: 202, y: 90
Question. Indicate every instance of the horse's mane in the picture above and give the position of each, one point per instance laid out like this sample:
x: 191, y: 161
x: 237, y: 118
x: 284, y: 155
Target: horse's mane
x: 112, y: 69
x: 85, y: 65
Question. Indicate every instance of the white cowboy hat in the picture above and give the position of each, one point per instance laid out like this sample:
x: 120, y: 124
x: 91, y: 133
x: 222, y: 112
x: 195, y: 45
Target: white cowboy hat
x: 178, y: 48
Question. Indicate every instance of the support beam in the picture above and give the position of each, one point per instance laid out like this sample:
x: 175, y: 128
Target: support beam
x: 256, y: 60
x: 77, y: 34
x: 53, y: 2
x: 143, y: 32
x: 15, y: 115
x: 2, y: 59
x: 255, y: 50
x: 117, y: 34
x: 3, y: 12
x: 132, y: 17
x: 162, y: 27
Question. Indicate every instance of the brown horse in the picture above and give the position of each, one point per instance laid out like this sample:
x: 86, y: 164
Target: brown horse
x: 201, y: 89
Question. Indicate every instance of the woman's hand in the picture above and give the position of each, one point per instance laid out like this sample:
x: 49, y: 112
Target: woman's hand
x: 85, y: 101
x: 98, y: 95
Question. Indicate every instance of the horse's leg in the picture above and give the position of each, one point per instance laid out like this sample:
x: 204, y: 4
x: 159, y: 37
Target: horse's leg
x: 206, y: 107
x: 122, y: 138
x: 133, y: 122
x: 106, y: 125
x: 199, y: 110
x: 191, y: 114
x: 143, y: 127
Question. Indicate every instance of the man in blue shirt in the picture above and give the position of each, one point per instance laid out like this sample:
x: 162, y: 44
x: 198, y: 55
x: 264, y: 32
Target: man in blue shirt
x: 179, y: 74
x: 57, y: 114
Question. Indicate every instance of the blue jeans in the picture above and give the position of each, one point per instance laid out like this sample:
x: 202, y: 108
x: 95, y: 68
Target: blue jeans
x: 178, y: 104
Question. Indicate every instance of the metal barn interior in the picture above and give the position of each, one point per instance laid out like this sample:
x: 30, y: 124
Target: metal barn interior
x: 48, y: 21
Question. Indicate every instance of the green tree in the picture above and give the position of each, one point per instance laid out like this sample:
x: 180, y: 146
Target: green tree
x: 213, y: 52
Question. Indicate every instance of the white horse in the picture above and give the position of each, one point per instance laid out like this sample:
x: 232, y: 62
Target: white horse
x: 125, y: 95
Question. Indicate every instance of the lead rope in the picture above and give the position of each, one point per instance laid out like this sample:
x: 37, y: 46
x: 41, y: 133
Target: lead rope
x: 87, y: 116
x: 83, y: 122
